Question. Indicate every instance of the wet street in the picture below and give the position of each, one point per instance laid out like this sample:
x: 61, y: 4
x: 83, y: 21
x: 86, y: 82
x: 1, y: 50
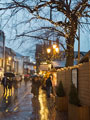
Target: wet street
x: 19, y: 103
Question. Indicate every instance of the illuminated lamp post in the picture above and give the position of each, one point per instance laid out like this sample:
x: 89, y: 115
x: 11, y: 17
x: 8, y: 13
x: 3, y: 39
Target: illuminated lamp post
x: 54, y: 46
x: 9, y: 58
x: 53, y: 52
x: 54, y: 49
x: 57, y: 50
x: 48, y: 50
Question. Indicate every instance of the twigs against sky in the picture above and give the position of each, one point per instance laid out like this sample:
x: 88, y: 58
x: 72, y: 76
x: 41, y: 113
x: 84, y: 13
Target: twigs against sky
x: 71, y: 10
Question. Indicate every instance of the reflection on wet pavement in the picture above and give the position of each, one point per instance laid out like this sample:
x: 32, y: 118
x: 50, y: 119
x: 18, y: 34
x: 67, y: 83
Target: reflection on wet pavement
x: 15, y: 104
x: 44, y: 113
x: 47, y: 108
x: 19, y: 103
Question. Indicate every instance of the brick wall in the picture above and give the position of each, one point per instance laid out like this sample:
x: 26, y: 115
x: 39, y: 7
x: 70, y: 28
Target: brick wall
x: 64, y: 75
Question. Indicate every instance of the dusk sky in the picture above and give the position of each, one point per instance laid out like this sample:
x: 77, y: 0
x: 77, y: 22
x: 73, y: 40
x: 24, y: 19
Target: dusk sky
x: 28, y: 46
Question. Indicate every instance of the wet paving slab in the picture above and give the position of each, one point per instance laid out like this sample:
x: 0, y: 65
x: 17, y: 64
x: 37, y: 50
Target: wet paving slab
x: 20, y: 104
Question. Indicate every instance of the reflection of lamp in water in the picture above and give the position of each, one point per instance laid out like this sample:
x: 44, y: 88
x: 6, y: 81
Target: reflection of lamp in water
x: 44, y: 113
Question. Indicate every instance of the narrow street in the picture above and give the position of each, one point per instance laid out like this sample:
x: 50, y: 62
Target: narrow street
x: 19, y: 103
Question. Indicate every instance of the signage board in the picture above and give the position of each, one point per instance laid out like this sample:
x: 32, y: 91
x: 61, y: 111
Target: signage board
x: 45, y: 67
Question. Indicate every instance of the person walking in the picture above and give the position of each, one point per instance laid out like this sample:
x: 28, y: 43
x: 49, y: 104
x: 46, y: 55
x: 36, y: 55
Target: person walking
x: 4, y: 83
x: 48, y: 86
x: 35, y: 86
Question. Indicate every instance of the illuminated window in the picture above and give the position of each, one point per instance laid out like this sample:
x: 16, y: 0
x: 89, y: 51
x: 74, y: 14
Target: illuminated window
x: 1, y: 63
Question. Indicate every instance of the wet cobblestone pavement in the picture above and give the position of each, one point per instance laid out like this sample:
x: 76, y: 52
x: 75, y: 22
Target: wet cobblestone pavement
x: 20, y: 104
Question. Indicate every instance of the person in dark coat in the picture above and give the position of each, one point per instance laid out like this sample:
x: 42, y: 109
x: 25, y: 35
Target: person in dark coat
x: 48, y: 86
x: 4, y: 83
x: 35, y: 86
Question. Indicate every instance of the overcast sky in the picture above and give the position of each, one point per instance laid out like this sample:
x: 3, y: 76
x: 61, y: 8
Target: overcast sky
x: 28, y: 46
x: 84, y: 39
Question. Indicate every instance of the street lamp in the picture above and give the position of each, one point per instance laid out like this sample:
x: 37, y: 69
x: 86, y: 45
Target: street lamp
x: 57, y: 50
x: 54, y: 46
x: 9, y: 58
x: 54, y: 49
x: 48, y: 50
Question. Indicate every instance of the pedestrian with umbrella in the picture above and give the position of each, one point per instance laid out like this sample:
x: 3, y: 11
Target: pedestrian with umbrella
x: 4, y: 83
x: 48, y: 86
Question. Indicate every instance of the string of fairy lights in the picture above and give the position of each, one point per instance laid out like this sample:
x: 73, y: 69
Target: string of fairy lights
x: 59, y: 23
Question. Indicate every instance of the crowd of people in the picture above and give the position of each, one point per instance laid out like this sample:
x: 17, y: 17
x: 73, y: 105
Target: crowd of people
x: 45, y: 83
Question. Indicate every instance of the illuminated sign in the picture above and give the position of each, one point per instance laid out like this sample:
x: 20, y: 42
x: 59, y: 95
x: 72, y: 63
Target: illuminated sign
x: 45, y: 67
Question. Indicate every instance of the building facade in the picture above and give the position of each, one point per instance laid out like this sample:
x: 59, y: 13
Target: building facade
x: 2, y: 46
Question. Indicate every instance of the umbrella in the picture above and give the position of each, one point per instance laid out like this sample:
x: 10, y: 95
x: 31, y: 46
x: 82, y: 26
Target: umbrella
x: 9, y: 74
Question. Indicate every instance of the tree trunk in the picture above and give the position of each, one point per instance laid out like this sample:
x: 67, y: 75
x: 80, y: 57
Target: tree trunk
x: 70, y: 40
x: 70, y: 53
